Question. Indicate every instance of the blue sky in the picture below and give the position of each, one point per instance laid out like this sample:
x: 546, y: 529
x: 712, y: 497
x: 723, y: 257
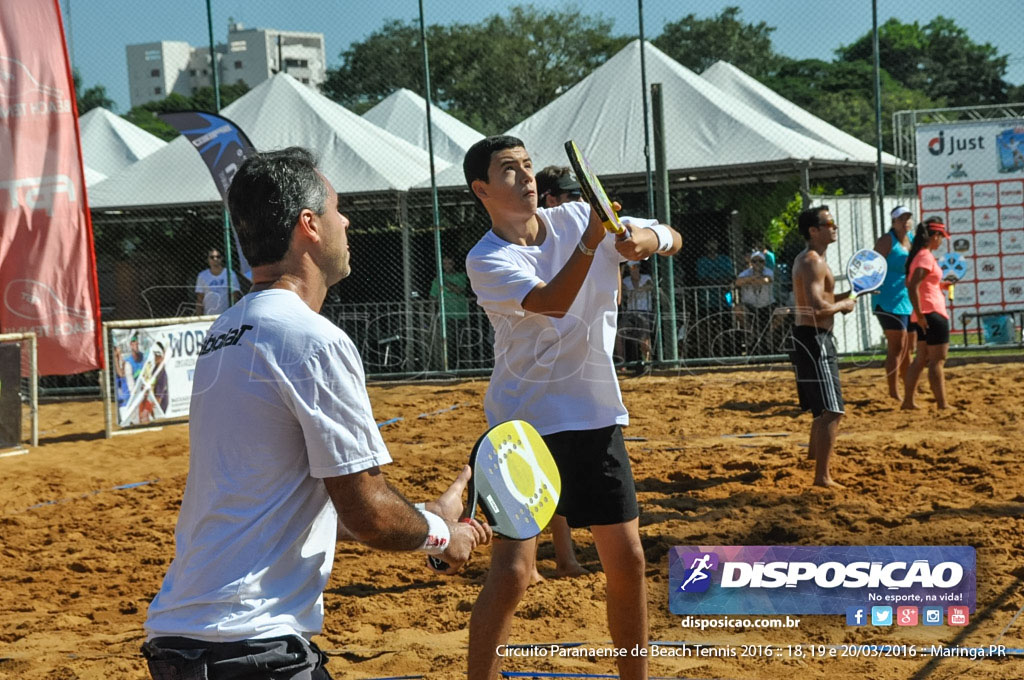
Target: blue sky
x: 98, y: 30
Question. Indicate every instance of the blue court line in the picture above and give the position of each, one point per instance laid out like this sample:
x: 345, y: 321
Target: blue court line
x: 391, y: 421
x: 439, y: 411
x: 120, y: 487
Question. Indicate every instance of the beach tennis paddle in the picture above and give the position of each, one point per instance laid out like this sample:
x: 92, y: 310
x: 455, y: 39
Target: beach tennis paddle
x: 866, y: 272
x: 590, y: 187
x: 953, y: 266
x: 515, y: 482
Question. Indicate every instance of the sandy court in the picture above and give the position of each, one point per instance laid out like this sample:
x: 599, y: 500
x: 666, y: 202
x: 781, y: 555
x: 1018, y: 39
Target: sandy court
x: 77, y: 574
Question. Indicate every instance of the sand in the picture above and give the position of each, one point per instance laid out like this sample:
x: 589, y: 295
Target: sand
x: 77, y: 574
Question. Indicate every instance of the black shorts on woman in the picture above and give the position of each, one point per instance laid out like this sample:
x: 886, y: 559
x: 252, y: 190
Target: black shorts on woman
x: 938, y: 330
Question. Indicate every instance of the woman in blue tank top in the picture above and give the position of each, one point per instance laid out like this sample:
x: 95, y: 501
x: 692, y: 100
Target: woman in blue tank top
x: 892, y: 303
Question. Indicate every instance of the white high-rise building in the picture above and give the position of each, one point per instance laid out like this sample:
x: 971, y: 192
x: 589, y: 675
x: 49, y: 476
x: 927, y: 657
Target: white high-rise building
x: 251, y: 55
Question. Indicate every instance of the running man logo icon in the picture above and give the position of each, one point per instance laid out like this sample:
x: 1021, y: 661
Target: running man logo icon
x: 697, y: 578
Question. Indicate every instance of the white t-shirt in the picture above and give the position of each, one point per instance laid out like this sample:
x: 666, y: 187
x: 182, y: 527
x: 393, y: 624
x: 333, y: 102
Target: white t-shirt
x: 556, y: 374
x: 637, y: 299
x: 214, y: 290
x: 278, y: 403
x: 757, y: 295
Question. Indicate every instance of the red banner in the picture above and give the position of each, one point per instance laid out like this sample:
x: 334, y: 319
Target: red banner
x: 47, y: 263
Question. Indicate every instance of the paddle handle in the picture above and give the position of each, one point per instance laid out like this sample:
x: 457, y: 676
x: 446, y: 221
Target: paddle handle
x: 435, y: 563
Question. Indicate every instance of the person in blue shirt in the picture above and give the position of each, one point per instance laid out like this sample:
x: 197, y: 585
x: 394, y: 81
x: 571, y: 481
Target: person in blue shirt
x: 714, y: 269
x: 892, y: 303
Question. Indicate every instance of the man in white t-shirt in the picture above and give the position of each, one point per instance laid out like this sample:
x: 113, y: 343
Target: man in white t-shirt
x: 212, y: 286
x: 283, y: 448
x: 547, y: 280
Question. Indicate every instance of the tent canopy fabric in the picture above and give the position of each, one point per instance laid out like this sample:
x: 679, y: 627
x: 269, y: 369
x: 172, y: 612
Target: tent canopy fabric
x: 110, y: 144
x: 767, y: 102
x: 403, y: 113
x: 706, y: 129
x: 356, y: 156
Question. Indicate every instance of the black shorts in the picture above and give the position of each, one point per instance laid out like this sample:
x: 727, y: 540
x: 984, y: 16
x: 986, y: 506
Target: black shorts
x: 597, y: 480
x: 289, y: 656
x: 938, y: 330
x: 892, y: 322
x: 817, y: 370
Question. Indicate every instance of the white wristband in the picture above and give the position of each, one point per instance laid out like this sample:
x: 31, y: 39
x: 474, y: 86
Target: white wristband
x: 664, y: 237
x: 438, y: 534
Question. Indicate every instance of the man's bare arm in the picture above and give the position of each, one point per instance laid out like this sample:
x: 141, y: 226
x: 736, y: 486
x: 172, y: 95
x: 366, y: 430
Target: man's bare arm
x: 815, y: 271
x: 374, y: 513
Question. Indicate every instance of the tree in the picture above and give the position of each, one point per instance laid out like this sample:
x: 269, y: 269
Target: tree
x: 842, y: 93
x: 699, y: 43
x: 145, y: 116
x: 491, y: 75
x: 938, y: 59
x: 94, y: 97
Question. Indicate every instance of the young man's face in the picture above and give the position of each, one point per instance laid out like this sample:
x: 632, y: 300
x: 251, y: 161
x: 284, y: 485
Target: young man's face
x: 510, y: 188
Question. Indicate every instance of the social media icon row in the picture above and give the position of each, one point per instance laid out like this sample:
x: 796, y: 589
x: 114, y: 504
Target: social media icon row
x: 906, y: 616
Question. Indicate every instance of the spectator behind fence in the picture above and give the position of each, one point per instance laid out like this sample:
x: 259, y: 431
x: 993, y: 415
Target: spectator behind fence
x: 714, y: 269
x: 638, y: 307
x: 212, y: 286
x: 756, y: 286
x: 284, y: 452
x: 456, y: 305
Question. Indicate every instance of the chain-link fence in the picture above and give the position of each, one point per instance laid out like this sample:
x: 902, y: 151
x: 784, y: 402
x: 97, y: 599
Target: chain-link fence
x: 748, y: 134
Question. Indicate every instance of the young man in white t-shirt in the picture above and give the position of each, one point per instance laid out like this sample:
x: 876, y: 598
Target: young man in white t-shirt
x: 547, y: 280
x: 283, y: 448
x: 212, y: 286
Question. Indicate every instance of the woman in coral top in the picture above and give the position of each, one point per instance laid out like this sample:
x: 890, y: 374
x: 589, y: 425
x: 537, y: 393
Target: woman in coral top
x: 930, y: 318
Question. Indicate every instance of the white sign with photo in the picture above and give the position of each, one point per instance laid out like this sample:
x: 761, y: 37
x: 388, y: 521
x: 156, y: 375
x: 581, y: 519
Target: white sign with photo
x: 153, y: 369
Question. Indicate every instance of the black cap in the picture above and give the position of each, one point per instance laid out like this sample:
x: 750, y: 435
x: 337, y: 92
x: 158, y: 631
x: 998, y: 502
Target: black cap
x: 567, y: 184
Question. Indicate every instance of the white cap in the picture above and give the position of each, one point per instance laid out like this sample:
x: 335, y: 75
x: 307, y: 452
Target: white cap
x: 899, y: 211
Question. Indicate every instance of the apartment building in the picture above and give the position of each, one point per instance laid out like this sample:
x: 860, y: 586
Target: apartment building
x: 250, y: 55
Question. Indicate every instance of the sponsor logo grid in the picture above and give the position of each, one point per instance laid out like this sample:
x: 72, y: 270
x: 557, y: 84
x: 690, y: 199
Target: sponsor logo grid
x: 986, y: 224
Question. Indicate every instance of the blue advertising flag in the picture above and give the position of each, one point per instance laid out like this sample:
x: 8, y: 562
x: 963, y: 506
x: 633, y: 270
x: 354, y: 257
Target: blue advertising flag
x: 222, y: 145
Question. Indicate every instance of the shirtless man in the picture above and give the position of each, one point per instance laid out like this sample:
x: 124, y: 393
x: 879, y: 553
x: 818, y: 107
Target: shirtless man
x: 814, y: 357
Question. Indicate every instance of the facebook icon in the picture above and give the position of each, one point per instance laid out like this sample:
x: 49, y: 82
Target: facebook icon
x: 856, y: 616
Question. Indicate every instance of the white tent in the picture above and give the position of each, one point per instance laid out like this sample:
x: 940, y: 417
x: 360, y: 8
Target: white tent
x: 356, y: 156
x: 707, y: 131
x: 403, y: 113
x: 767, y: 102
x: 110, y: 144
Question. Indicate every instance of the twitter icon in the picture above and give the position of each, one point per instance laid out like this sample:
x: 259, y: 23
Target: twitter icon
x: 881, y: 616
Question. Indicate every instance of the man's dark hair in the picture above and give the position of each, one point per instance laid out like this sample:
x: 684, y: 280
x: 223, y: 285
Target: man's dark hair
x: 478, y: 158
x: 810, y: 218
x: 555, y: 180
x: 266, y: 196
